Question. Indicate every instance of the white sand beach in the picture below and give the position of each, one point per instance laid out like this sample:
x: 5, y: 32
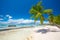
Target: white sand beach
x: 35, y: 33
x: 52, y: 34
x: 16, y: 34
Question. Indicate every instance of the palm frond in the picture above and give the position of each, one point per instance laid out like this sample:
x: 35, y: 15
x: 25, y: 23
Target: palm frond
x: 48, y: 11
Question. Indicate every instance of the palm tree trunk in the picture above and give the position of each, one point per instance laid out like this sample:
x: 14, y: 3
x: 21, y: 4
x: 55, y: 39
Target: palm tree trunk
x: 41, y: 22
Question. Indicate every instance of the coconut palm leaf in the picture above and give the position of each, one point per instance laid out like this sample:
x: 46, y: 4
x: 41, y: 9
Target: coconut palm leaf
x: 48, y: 11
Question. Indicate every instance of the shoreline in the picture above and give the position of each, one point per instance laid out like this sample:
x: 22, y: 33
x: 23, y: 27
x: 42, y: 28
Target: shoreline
x: 12, y: 28
x: 31, y: 33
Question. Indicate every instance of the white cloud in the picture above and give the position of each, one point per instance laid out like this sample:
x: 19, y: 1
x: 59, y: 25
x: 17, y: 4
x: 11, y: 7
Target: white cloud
x: 19, y: 21
x: 9, y: 16
x: 1, y: 18
x: 4, y: 22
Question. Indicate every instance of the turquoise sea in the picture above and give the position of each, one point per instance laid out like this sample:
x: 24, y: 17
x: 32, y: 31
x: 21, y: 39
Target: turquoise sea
x: 18, y: 25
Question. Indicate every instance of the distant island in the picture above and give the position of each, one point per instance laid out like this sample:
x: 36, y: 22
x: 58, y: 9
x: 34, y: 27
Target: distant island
x: 11, y: 25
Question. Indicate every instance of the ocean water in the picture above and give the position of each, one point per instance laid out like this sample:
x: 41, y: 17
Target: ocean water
x: 18, y: 25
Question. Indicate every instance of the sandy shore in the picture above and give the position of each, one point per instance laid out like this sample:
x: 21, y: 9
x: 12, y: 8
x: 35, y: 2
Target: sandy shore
x: 35, y: 33
x: 16, y: 34
x: 45, y: 34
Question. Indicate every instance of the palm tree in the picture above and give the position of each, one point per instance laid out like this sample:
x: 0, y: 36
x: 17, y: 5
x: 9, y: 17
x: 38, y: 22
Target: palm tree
x: 51, y: 16
x: 37, y: 12
x: 57, y: 19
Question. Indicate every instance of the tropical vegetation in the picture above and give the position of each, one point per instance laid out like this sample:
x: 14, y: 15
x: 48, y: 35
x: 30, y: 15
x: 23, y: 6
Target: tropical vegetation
x: 57, y: 19
x: 37, y: 11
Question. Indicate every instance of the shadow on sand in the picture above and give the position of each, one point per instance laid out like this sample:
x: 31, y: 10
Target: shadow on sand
x: 43, y: 31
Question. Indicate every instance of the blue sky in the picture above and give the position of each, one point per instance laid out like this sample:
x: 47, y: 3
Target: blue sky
x: 19, y: 9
